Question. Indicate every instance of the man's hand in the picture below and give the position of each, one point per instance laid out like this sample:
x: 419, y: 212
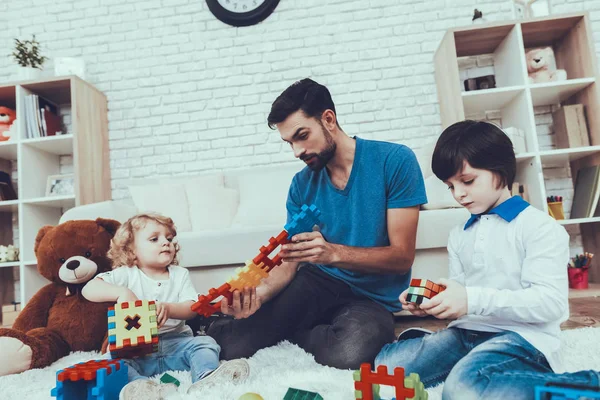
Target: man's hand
x: 126, y: 295
x: 412, y: 307
x: 244, y: 305
x: 450, y: 304
x: 309, y: 247
x: 162, y: 313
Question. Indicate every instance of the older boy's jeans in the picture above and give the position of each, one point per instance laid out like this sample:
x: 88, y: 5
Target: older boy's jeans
x: 177, y: 352
x: 478, y: 365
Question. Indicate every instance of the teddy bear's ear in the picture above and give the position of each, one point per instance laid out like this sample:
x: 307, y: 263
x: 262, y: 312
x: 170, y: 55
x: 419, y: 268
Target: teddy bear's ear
x: 41, y: 233
x: 110, y: 225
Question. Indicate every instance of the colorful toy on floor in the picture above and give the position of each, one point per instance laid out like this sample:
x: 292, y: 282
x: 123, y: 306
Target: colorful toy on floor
x: 420, y: 289
x: 299, y: 394
x: 132, y: 329
x: 259, y: 268
x: 166, y: 378
x: 566, y: 391
x: 251, y: 396
x: 91, y: 380
x: 367, y: 383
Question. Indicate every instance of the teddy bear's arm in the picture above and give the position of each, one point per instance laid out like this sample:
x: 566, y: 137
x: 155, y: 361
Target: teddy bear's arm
x: 35, y: 313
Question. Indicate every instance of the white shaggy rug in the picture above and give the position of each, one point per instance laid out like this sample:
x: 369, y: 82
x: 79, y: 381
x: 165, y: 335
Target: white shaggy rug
x: 274, y: 370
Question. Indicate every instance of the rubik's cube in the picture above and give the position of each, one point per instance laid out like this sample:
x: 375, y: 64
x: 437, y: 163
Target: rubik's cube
x: 91, y: 380
x: 259, y: 267
x: 420, y: 289
x: 132, y: 329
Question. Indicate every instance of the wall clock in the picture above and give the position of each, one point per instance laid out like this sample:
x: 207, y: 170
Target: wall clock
x: 241, y: 12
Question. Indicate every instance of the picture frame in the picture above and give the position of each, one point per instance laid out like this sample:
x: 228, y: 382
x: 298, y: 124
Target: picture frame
x: 60, y: 185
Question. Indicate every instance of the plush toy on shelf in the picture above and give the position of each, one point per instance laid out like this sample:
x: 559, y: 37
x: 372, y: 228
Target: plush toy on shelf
x: 541, y: 66
x: 9, y: 253
x: 7, y: 117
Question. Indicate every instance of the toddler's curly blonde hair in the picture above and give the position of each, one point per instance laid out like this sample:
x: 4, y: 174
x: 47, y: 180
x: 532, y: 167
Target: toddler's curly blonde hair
x: 121, y: 246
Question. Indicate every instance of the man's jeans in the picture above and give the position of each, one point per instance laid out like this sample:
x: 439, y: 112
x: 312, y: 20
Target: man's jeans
x: 177, y: 352
x: 478, y: 365
x: 319, y: 313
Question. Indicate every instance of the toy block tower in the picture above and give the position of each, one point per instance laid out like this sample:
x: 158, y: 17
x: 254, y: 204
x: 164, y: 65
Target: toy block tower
x: 422, y: 289
x: 132, y: 329
x: 91, y: 380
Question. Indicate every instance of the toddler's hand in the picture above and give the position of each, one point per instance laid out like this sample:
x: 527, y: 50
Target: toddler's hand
x: 450, y: 304
x: 243, y: 305
x: 162, y: 313
x: 412, y: 307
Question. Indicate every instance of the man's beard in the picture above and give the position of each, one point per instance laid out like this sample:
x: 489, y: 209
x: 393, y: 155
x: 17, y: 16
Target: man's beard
x: 323, y: 157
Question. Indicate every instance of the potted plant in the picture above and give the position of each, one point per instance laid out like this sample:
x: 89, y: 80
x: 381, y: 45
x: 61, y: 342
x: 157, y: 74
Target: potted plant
x: 27, y: 55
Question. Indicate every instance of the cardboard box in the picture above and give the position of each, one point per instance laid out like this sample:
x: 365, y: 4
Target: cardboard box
x: 570, y: 128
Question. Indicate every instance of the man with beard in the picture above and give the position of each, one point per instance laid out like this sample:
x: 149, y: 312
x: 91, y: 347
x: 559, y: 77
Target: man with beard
x: 336, y: 290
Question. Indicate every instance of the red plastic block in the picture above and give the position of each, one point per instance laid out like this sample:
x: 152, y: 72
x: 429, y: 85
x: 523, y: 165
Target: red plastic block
x: 381, y: 377
x: 87, y: 371
x: 204, y: 307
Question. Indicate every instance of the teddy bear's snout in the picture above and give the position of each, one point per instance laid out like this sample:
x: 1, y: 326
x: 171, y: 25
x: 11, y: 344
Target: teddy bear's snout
x: 537, y: 60
x: 73, y: 264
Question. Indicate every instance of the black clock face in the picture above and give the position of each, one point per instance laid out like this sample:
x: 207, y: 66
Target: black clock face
x: 241, y: 12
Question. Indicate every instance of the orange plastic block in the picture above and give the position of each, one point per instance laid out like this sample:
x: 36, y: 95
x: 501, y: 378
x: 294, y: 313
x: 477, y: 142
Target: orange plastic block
x: 365, y: 379
x: 87, y: 371
x: 204, y: 307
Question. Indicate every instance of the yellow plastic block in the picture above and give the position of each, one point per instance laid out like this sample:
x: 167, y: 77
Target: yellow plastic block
x: 248, y: 276
x: 133, y: 324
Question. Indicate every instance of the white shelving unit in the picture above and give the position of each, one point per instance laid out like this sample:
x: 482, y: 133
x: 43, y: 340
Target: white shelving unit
x: 36, y: 159
x: 515, y: 98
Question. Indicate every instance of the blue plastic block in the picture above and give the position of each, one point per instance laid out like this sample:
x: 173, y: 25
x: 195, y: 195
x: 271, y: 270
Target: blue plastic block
x: 565, y: 393
x: 303, y: 221
x: 104, y: 387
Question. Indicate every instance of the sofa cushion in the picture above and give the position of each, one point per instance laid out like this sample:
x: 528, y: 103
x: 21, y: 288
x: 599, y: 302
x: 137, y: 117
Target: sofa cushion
x: 168, y: 199
x: 263, y: 194
x: 424, y: 155
x: 438, y: 195
x: 211, y: 209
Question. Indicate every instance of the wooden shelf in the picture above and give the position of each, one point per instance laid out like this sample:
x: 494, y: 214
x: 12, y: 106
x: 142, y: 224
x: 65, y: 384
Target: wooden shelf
x: 54, y: 202
x: 544, y: 94
x: 489, y: 99
x: 8, y: 149
x: 59, y: 145
x: 578, y: 221
x: 562, y: 156
x: 10, y: 264
x: 9, y: 205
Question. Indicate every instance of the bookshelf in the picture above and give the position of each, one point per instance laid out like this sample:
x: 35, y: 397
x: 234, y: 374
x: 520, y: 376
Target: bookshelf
x: 85, y: 142
x: 515, y: 100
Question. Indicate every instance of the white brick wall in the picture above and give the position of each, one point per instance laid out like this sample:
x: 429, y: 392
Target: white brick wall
x: 188, y: 93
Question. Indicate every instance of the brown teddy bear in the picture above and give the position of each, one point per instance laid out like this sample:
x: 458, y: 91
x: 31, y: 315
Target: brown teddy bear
x: 58, y: 319
x: 541, y: 66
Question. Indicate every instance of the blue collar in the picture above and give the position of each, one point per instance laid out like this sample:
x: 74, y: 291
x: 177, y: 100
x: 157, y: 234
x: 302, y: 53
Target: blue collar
x: 508, y: 210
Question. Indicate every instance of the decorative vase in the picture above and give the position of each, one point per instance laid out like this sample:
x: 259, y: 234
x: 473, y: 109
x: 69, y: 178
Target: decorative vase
x: 578, y: 278
x: 29, y: 73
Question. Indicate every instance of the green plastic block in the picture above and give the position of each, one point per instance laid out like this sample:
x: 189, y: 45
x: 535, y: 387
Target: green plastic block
x: 166, y: 378
x: 298, y: 394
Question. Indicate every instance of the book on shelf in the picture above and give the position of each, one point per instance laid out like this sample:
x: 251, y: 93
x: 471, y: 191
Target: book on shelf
x: 7, y: 192
x: 587, y: 192
x: 41, y: 117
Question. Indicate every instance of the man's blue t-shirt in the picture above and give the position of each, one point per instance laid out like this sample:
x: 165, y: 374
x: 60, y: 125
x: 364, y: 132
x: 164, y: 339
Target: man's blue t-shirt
x: 384, y: 175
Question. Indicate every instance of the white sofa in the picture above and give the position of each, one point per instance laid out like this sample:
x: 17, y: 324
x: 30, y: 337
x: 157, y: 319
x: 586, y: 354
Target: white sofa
x: 223, y: 218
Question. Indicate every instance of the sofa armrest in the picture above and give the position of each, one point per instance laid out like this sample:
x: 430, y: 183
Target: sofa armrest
x: 113, y: 209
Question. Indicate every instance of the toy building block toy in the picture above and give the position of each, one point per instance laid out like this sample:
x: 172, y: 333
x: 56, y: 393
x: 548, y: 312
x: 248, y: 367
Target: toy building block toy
x: 420, y: 289
x: 132, y: 329
x: 91, y: 380
x: 406, y: 388
x: 260, y: 266
x: 566, y: 391
x: 251, y: 396
x: 166, y: 378
x: 298, y: 394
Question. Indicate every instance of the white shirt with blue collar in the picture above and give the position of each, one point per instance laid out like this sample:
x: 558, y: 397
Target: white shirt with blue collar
x: 513, y: 263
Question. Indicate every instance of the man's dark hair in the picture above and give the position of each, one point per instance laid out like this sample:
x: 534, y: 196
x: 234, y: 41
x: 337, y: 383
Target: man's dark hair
x: 483, y: 145
x: 306, y: 95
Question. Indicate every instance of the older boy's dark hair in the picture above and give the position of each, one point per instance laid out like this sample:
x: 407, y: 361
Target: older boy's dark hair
x: 483, y: 145
x: 306, y: 95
